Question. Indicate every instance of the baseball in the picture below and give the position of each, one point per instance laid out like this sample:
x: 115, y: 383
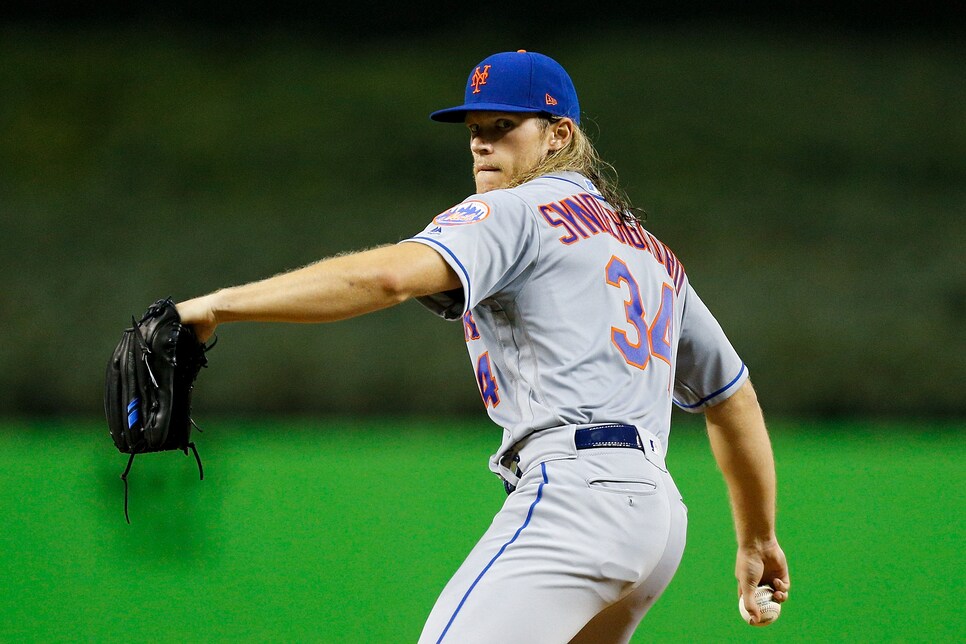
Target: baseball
x: 769, y: 610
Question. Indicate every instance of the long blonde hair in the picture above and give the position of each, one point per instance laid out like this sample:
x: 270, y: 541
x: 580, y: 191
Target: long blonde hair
x: 581, y: 156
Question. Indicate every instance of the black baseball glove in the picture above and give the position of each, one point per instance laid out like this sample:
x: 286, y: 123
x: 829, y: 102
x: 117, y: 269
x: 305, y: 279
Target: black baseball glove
x: 147, y: 389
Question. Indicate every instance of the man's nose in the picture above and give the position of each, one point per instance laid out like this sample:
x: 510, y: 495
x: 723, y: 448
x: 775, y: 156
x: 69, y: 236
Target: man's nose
x: 479, y: 145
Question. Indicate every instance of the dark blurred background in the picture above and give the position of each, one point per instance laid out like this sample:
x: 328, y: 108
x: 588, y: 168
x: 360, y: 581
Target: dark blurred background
x: 807, y: 161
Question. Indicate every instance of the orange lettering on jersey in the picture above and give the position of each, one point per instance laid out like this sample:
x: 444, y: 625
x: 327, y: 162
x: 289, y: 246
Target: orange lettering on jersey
x: 586, y: 217
x: 663, y: 254
x: 479, y: 78
x: 470, y: 330
x: 635, y: 239
x: 550, y: 99
x: 593, y: 206
x: 547, y: 211
x: 583, y: 216
x: 568, y: 215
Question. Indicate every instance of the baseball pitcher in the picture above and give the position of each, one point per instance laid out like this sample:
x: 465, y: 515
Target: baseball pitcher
x: 582, y: 330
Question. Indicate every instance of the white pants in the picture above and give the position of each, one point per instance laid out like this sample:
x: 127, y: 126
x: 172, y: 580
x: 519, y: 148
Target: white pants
x: 578, y: 553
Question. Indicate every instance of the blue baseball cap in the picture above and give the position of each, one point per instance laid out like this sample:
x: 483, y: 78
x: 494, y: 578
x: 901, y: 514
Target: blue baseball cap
x: 516, y: 81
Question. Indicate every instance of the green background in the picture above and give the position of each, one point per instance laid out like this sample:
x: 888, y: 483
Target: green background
x: 345, y: 530
x: 812, y: 180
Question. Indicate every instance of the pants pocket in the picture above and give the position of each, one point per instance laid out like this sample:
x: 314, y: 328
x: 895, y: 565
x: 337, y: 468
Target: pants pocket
x: 634, y: 487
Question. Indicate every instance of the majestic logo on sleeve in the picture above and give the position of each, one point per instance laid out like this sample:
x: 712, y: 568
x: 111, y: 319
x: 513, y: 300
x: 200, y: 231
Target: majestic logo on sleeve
x: 468, y: 212
x: 479, y: 78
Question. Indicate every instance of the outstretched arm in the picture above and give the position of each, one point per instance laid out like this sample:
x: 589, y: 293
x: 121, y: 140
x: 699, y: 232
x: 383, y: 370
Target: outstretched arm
x: 332, y: 289
x: 742, y: 449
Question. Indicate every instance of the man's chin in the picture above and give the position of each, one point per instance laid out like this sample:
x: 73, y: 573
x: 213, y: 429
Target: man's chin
x: 486, y: 181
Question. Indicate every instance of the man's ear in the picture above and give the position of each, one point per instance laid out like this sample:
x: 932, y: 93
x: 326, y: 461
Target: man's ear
x: 561, y: 133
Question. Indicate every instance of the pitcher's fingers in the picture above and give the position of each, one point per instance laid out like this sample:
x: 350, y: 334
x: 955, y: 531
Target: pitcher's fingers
x: 747, y: 592
x: 781, y: 590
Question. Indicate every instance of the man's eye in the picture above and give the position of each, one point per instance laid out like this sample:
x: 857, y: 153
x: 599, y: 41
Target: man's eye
x: 504, y: 124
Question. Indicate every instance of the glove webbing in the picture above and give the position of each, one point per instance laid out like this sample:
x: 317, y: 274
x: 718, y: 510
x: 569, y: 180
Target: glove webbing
x: 145, y: 350
x: 130, y: 462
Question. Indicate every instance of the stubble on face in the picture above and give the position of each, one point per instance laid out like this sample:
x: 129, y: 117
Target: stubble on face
x: 503, y: 147
x: 489, y: 176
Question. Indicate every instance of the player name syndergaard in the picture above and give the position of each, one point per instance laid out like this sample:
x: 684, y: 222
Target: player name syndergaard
x: 581, y: 216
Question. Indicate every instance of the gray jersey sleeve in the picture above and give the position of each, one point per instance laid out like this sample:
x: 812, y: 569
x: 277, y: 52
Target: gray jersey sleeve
x: 490, y: 241
x: 709, y: 370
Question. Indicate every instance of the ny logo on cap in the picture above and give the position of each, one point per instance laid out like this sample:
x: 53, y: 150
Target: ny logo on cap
x: 479, y: 78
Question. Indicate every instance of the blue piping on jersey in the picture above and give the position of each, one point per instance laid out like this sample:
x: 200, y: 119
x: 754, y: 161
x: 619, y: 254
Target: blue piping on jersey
x: 717, y: 393
x: 543, y: 469
x: 456, y: 259
x: 597, y: 196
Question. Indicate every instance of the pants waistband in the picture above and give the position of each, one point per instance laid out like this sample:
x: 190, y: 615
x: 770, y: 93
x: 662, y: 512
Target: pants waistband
x: 564, y: 442
x: 610, y: 436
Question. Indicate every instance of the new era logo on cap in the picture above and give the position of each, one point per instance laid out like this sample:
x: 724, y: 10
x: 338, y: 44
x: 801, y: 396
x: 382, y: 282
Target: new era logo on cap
x: 518, y: 81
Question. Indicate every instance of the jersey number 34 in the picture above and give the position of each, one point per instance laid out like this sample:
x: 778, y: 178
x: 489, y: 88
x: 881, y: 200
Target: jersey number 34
x: 652, y: 339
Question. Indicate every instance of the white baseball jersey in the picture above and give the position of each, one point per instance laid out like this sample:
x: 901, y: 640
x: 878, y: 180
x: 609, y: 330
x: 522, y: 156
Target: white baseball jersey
x: 573, y: 316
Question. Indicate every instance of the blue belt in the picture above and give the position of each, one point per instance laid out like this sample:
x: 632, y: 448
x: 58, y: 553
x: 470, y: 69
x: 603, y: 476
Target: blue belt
x: 601, y: 436
x: 608, y: 436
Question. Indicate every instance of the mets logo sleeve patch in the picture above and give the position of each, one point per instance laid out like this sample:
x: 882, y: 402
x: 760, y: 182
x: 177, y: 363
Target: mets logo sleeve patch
x: 468, y: 212
x: 490, y: 242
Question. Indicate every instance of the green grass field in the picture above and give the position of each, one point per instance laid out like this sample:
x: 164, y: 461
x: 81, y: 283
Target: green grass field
x: 345, y: 530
